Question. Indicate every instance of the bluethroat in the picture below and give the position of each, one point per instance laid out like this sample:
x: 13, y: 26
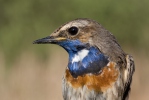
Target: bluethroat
x: 98, y: 68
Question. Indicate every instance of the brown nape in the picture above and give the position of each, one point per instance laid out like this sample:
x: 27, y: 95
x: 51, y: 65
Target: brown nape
x: 108, y: 45
x: 99, y: 83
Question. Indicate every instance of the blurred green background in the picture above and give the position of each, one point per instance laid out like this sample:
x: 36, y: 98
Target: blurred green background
x: 33, y: 72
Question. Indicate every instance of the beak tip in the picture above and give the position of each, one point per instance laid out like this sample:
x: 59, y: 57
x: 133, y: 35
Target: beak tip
x: 48, y: 40
x: 35, y: 42
x: 42, y: 40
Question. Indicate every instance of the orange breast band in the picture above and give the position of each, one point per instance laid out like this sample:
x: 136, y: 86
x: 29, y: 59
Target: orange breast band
x: 98, y: 82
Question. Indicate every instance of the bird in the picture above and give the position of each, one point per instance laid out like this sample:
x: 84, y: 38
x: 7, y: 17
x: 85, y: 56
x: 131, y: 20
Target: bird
x: 98, y: 68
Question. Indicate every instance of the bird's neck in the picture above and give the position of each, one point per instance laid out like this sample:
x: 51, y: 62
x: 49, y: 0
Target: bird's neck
x: 85, y: 61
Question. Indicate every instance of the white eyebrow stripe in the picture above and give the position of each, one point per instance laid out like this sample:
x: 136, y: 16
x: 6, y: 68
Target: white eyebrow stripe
x: 77, y: 24
x: 80, y: 55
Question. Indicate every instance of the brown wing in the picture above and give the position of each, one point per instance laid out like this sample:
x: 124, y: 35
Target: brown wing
x: 128, y: 73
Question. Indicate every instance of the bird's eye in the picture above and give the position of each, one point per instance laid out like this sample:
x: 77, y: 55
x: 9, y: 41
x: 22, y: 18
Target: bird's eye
x: 73, y: 30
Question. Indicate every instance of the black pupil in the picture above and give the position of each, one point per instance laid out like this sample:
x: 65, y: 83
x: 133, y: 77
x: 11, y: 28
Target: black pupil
x: 73, y: 30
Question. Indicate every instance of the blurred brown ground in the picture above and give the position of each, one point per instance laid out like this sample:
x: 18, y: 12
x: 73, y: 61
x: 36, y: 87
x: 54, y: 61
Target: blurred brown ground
x: 31, y: 79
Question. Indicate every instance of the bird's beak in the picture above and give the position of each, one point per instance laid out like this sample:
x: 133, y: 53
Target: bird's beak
x: 49, y: 39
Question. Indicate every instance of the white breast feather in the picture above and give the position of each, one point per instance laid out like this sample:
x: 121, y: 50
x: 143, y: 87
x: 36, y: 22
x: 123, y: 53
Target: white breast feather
x: 80, y: 55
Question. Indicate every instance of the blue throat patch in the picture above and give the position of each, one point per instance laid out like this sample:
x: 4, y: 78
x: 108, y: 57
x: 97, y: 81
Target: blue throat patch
x: 83, y: 58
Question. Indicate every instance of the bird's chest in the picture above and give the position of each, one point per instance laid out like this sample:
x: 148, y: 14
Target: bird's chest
x: 92, y: 86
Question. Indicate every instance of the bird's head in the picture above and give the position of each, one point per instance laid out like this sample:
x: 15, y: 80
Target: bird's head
x: 72, y: 36
x: 82, y: 38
